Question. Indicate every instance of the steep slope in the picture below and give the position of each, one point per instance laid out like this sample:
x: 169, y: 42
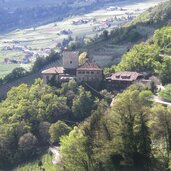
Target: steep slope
x: 157, y: 16
x: 152, y: 57
x: 108, y: 50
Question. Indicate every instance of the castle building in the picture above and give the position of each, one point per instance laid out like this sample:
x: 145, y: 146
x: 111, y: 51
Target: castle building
x: 54, y: 72
x: 70, y: 62
x: 87, y: 72
x: 169, y: 23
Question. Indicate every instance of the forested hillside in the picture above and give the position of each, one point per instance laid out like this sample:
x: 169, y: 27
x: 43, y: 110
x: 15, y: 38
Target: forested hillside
x: 30, y: 114
x: 157, y: 16
x: 153, y: 57
x: 145, y: 24
x: 132, y: 135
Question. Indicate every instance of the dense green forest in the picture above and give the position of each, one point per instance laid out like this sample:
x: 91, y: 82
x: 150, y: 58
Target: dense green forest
x: 166, y: 93
x: 28, y: 113
x: 133, y: 134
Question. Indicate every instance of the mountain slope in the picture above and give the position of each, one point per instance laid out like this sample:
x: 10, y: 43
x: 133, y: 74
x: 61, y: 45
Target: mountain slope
x: 157, y: 16
x: 28, y: 13
x: 122, y: 39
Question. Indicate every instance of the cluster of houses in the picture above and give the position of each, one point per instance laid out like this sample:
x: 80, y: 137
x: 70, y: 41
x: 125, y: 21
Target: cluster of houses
x: 65, y: 32
x: 28, y: 52
x: 88, y: 72
x: 81, y: 21
x: 105, y: 24
x: 115, y: 8
x: 119, y: 18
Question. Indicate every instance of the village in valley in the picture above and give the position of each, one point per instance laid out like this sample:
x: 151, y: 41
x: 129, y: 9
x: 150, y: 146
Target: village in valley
x: 23, y: 47
x: 97, y: 25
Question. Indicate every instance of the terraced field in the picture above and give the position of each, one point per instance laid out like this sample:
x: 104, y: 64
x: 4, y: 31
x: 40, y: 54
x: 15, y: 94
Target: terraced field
x: 106, y: 53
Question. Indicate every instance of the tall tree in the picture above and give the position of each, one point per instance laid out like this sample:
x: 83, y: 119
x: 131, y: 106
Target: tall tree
x: 130, y: 139
x: 82, y: 104
x: 161, y: 134
x: 74, y: 153
x: 57, y: 130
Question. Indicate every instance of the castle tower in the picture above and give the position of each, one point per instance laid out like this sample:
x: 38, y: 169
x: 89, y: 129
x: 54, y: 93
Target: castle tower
x: 70, y: 60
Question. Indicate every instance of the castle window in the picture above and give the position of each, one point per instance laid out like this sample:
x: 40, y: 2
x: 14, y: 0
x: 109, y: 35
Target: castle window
x: 92, y: 72
x: 87, y: 72
x: 70, y: 62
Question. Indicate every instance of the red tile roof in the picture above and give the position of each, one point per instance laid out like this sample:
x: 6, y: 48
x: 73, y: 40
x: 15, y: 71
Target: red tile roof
x: 125, y: 76
x: 54, y: 70
x: 89, y: 66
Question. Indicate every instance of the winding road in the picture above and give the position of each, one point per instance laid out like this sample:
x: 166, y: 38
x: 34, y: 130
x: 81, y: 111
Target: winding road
x: 56, y: 153
x: 157, y: 99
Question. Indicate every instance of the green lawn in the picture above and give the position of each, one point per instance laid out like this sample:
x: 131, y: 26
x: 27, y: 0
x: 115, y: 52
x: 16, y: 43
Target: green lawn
x: 11, y: 55
x: 7, y: 68
x: 33, y: 166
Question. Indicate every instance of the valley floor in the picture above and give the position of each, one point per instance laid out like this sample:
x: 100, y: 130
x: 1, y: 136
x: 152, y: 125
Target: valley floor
x: 24, y: 46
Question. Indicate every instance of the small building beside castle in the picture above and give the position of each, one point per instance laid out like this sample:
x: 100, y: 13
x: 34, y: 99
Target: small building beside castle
x: 55, y: 72
x: 123, y: 79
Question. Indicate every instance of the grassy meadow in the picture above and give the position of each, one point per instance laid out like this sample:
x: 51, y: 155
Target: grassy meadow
x: 33, y: 166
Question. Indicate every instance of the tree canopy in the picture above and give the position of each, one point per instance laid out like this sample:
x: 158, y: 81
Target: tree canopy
x: 30, y: 117
x: 152, y: 56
